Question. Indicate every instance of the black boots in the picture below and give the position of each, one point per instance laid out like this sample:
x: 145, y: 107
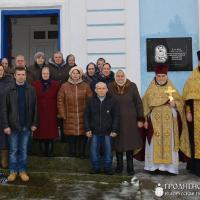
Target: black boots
x: 46, y: 148
x: 77, y: 146
x: 49, y: 148
x: 119, y: 168
x: 129, y: 159
x: 81, y: 150
x: 72, y: 149
x: 81, y: 146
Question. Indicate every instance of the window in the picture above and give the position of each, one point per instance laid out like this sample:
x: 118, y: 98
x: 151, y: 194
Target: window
x: 39, y: 35
x: 52, y: 34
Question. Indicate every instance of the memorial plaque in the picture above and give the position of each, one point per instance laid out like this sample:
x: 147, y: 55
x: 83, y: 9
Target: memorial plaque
x: 176, y: 52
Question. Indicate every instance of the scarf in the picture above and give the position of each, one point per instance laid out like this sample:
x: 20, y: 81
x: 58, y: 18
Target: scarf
x: 45, y: 84
x: 121, y: 89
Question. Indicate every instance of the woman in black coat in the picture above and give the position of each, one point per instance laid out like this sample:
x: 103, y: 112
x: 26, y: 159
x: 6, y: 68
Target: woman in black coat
x: 34, y: 71
x: 5, y: 80
x: 106, y: 76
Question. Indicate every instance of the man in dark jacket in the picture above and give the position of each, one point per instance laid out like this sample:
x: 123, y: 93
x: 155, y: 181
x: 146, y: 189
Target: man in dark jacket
x: 19, y: 118
x: 101, y: 125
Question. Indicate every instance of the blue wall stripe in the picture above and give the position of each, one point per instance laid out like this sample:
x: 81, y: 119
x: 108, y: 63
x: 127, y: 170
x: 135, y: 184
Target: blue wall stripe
x: 30, y: 12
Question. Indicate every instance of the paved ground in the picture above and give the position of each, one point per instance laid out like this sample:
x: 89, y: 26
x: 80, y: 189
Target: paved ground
x: 68, y: 178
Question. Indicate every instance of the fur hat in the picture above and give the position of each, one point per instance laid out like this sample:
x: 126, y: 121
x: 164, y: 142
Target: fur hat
x: 76, y: 68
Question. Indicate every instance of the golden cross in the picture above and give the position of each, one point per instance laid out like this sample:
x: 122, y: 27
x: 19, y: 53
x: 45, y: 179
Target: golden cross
x: 170, y: 91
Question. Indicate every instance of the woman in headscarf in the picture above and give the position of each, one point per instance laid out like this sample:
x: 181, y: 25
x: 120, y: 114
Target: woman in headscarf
x: 131, y: 118
x: 72, y: 98
x: 47, y: 131
x: 70, y: 61
x: 91, y: 73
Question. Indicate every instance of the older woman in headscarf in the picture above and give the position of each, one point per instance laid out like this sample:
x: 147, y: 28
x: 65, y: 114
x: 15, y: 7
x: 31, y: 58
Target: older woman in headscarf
x: 131, y: 118
x: 34, y: 71
x: 47, y: 130
x: 72, y: 98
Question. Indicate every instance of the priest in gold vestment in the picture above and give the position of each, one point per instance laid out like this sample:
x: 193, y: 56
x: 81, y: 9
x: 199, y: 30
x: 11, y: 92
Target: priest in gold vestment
x: 191, y: 96
x: 165, y: 122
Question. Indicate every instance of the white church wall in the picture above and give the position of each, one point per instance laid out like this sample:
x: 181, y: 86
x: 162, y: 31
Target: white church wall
x: 95, y: 28
x: 113, y: 33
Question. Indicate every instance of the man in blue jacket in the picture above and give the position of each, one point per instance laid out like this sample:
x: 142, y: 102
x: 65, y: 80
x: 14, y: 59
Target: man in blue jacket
x: 101, y: 125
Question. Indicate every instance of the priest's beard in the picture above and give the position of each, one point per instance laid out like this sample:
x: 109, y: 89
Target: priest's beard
x: 161, y: 83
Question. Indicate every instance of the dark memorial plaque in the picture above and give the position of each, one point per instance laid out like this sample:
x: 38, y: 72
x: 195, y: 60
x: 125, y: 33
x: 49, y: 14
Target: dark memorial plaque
x: 176, y: 52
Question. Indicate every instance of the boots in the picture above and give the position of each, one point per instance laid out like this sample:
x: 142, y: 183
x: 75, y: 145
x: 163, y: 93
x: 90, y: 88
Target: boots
x: 4, y: 159
x: 42, y: 148
x: 48, y: 148
x: 129, y: 159
x: 12, y: 177
x: 81, y: 147
x: 72, y: 149
x: 24, y: 176
x: 119, y: 168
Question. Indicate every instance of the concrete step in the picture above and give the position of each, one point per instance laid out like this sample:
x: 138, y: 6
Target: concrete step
x: 66, y: 164
x: 60, y: 148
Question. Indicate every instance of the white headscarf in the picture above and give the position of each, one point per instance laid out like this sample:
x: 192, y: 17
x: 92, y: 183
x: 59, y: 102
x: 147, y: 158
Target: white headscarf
x: 125, y: 79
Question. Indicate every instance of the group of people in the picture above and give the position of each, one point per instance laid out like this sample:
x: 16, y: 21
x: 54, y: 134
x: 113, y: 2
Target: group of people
x: 100, y: 108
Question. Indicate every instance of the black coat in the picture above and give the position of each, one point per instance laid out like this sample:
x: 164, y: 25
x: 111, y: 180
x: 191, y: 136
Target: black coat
x: 4, y: 82
x: 34, y: 73
x: 59, y: 73
x: 102, y: 78
x: 10, y: 113
x: 102, y: 118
